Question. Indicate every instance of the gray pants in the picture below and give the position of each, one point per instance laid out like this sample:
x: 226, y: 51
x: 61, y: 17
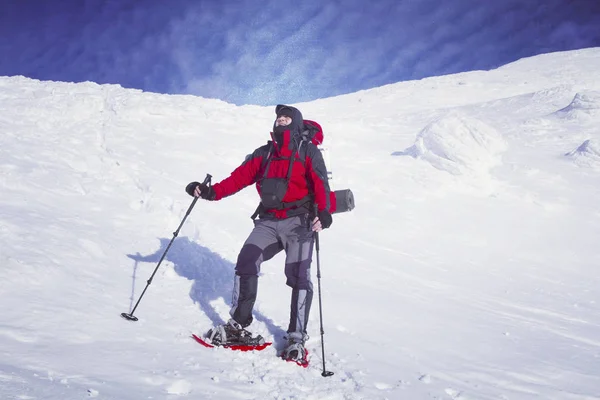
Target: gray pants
x: 268, y: 238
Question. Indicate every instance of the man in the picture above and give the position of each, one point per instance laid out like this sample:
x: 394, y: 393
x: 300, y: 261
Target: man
x: 291, y: 179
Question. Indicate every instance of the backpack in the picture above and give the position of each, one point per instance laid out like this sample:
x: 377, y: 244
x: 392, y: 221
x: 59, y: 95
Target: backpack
x: 340, y: 200
x: 312, y: 132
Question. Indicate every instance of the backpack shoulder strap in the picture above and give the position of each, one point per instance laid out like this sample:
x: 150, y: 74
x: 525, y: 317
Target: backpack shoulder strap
x: 267, y: 160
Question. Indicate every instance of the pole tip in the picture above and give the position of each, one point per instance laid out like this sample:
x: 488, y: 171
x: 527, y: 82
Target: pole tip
x: 129, y: 317
x: 325, y: 374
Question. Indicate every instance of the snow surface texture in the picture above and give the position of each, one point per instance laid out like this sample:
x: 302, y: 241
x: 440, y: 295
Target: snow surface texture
x: 468, y: 269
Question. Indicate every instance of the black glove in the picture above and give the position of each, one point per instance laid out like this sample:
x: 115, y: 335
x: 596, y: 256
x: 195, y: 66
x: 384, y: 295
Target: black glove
x: 325, y: 218
x: 206, y: 192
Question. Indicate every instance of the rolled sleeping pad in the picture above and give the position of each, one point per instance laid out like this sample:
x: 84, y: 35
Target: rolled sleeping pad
x: 341, y: 201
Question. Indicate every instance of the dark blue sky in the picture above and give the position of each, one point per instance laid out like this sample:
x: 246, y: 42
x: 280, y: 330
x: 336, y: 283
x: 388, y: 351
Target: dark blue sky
x: 266, y: 52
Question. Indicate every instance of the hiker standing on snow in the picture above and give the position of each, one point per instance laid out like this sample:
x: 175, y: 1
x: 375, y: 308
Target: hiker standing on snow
x: 291, y: 178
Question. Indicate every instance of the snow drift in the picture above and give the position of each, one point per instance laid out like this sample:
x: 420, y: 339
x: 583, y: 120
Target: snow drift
x: 587, y: 154
x: 459, y: 145
x: 584, y: 105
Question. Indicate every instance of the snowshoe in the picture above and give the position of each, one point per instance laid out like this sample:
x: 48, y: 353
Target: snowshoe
x: 295, y: 350
x: 232, y: 334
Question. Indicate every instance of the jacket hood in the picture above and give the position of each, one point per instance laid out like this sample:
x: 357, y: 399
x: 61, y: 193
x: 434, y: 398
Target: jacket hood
x: 297, y: 125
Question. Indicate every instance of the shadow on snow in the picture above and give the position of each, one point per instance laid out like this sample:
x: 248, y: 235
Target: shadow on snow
x: 213, y: 277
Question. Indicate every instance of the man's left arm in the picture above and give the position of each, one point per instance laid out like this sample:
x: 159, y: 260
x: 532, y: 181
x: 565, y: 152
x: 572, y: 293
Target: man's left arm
x: 317, y: 177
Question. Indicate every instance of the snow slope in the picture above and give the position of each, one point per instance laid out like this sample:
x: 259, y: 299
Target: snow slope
x: 466, y: 271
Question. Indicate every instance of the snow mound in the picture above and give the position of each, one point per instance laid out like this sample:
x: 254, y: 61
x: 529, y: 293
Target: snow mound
x: 587, y: 154
x: 459, y: 144
x: 584, y: 105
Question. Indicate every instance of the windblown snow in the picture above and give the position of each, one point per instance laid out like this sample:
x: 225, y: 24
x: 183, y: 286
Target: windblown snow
x: 584, y: 105
x: 459, y: 144
x: 468, y: 269
x: 586, y: 155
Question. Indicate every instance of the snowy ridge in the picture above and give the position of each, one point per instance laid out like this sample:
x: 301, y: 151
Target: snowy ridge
x: 437, y: 286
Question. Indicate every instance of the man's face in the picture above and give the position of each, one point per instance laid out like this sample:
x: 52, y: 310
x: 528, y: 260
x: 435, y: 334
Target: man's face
x: 283, y: 120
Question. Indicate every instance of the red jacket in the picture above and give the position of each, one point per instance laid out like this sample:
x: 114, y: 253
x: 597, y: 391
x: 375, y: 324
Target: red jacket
x: 309, y: 174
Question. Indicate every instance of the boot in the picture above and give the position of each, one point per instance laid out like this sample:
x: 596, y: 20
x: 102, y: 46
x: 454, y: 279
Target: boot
x: 232, y: 333
x: 295, y: 350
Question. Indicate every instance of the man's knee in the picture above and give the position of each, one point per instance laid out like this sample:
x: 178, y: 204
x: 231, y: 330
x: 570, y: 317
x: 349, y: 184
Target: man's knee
x: 248, y: 260
x: 298, y: 275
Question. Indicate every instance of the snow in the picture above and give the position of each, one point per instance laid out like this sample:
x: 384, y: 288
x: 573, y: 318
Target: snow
x: 459, y: 144
x: 466, y: 271
x: 584, y: 104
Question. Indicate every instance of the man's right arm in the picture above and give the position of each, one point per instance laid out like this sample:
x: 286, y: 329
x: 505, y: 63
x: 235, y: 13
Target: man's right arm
x: 244, y: 175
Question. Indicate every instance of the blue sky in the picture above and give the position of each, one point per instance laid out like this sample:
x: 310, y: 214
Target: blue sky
x: 266, y: 52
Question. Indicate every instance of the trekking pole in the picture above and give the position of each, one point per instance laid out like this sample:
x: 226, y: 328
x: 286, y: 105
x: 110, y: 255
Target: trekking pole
x: 130, y: 316
x: 325, y: 373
